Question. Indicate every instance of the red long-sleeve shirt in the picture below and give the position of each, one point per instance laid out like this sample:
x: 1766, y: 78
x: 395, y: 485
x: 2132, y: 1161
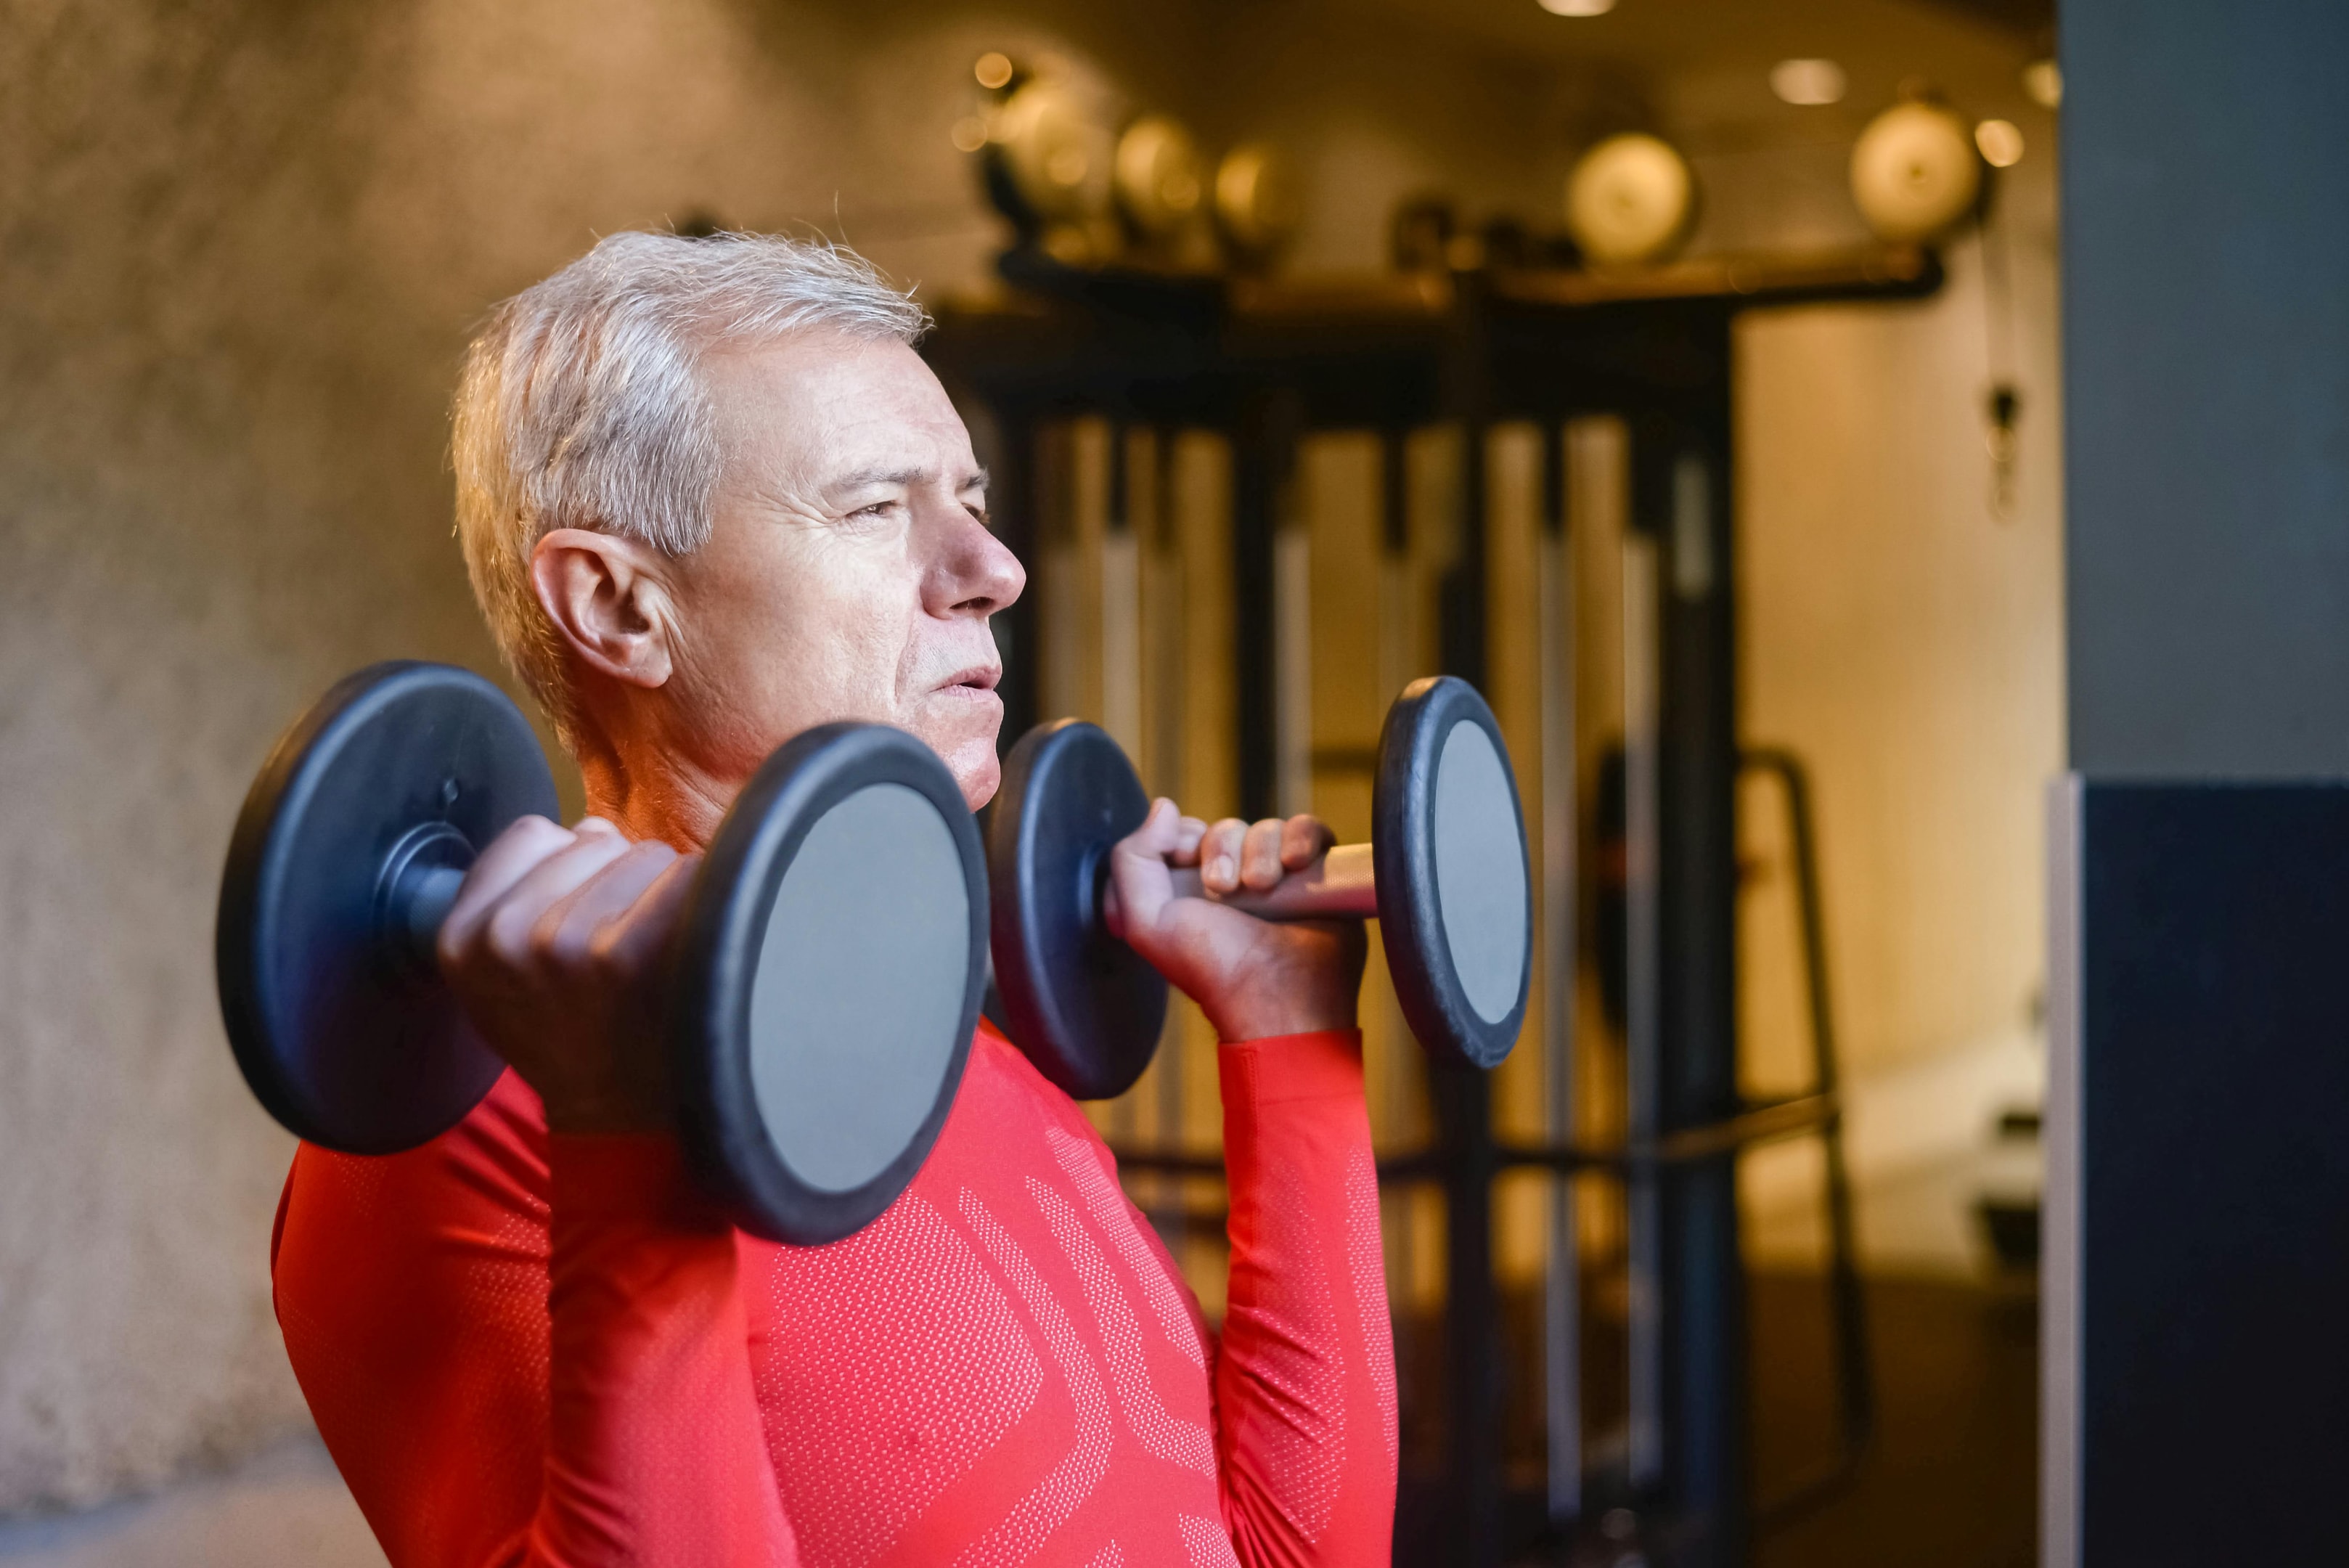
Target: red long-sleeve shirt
x: 526, y: 1350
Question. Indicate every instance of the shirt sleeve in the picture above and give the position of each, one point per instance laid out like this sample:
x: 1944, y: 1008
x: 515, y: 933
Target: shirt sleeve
x: 1305, y: 1383
x: 528, y: 1352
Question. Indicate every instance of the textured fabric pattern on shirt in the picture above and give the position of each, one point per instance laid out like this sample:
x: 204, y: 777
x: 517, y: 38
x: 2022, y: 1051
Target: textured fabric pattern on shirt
x: 1177, y: 1442
x: 1114, y: 1215
x: 1366, y: 1253
x: 1206, y: 1543
x: 1064, y: 1490
x: 1301, y: 1436
x: 941, y: 1369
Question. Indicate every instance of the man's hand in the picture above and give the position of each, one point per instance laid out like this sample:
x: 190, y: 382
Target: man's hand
x: 1253, y: 977
x: 553, y: 948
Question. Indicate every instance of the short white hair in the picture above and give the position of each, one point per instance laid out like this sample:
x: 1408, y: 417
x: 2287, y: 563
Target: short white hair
x: 581, y: 405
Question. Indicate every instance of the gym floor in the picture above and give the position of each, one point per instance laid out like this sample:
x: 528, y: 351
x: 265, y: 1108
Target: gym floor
x: 1952, y: 1479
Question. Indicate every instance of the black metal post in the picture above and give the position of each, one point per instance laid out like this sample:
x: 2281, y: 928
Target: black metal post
x: 1263, y: 451
x: 1464, y: 1099
x: 1681, y: 476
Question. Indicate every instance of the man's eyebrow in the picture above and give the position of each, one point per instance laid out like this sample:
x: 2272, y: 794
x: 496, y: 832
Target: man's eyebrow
x: 863, y: 478
x: 868, y: 478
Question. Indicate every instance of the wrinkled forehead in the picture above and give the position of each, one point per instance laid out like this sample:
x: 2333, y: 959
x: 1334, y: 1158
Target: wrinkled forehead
x: 822, y: 408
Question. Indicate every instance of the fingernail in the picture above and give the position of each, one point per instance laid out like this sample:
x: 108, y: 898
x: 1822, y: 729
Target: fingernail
x: 1220, y: 870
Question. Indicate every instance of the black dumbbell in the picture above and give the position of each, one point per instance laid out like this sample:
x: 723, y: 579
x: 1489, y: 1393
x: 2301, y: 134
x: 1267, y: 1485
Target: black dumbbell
x: 825, y: 981
x: 1445, y: 873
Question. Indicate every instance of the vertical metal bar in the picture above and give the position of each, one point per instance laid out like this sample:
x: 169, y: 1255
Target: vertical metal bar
x: 1166, y: 718
x: 1846, y: 1304
x: 1472, y: 1314
x: 1121, y: 606
x: 1702, y: 1269
x: 1292, y: 660
x: 1261, y: 457
x: 1643, y: 1045
x: 1562, y: 1316
x: 1398, y: 665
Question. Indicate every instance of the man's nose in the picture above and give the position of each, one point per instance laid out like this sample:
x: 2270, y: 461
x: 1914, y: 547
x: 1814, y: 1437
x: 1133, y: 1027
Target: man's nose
x: 974, y: 573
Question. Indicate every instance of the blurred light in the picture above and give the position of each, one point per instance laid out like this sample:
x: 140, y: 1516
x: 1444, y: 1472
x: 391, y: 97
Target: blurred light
x: 993, y: 69
x: 1067, y: 166
x: 2043, y: 80
x: 1578, y: 8
x: 969, y: 133
x: 2001, y: 143
x: 1807, y: 82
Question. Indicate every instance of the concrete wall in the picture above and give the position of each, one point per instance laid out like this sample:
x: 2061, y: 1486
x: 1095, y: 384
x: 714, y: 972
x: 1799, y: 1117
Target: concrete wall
x: 2207, y: 352
x: 244, y: 242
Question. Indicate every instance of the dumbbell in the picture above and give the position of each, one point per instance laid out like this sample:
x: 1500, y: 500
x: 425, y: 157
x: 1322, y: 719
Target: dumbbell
x: 1444, y: 872
x: 825, y: 981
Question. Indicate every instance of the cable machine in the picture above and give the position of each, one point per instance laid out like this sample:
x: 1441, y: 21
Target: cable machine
x: 1264, y: 362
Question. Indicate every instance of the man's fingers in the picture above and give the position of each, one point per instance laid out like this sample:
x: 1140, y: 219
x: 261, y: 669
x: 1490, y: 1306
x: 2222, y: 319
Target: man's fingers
x: 1304, y: 840
x: 1219, y: 854
x: 1260, y: 866
x: 512, y: 921
x: 637, y: 935
x: 510, y: 856
x: 571, y: 923
x: 1190, y: 831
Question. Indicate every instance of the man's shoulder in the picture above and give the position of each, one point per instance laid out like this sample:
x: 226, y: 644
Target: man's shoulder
x: 485, y: 1176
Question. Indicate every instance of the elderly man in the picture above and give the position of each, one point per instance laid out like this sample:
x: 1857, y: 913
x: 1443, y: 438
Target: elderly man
x: 711, y: 496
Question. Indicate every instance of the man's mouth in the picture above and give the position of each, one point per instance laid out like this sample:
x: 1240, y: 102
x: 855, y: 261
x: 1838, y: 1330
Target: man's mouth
x: 978, y: 680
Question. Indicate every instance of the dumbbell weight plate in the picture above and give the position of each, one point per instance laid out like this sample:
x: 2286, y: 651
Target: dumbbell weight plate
x: 829, y: 970
x: 1086, y: 1008
x: 345, y: 1036
x: 1629, y: 200
x: 1915, y: 173
x: 1455, y: 894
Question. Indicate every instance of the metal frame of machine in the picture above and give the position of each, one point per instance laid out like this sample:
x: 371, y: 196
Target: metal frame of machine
x: 1265, y: 360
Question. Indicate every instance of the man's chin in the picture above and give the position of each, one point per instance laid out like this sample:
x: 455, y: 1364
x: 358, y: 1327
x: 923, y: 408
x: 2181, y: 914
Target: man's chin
x: 967, y: 748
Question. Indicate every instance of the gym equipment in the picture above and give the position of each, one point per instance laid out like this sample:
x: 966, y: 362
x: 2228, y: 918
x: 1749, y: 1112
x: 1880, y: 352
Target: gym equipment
x: 1445, y: 874
x: 1915, y: 172
x: 1258, y: 203
x: 1631, y: 199
x: 826, y: 979
x: 1157, y: 176
x: 1057, y: 153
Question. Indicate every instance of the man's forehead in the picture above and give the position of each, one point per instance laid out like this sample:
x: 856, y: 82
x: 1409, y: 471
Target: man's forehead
x: 840, y: 411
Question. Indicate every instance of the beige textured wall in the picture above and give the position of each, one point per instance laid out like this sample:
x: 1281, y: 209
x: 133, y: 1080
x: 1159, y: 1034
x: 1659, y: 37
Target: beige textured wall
x: 242, y: 241
x: 1907, y: 641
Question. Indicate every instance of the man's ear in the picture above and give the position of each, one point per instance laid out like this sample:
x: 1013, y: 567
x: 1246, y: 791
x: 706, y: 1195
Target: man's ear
x: 606, y: 598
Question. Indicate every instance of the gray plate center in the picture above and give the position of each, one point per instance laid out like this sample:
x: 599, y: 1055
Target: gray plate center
x: 860, y: 986
x: 1480, y: 871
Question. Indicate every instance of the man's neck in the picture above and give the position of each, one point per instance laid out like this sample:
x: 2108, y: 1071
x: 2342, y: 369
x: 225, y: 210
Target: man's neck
x: 649, y: 796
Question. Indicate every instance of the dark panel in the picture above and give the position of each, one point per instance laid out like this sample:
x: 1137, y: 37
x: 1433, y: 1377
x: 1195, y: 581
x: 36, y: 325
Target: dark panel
x: 2197, y: 1397
x: 2206, y: 215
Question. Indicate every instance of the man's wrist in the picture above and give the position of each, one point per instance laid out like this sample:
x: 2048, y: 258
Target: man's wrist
x: 1291, y: 1010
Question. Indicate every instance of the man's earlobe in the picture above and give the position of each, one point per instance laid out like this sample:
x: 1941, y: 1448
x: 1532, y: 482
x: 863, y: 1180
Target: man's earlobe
x: 606, y: 598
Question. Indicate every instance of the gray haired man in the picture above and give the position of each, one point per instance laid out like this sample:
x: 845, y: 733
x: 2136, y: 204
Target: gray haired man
x: 711, y: 496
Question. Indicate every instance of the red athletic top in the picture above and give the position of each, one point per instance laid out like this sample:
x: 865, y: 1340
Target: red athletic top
x: 525, y: 1349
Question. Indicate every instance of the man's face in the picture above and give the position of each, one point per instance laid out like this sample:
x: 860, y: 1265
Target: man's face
x: 849, y: 573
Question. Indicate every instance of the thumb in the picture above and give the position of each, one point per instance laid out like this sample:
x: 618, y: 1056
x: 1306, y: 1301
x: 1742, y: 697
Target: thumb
x: 1139, y: 885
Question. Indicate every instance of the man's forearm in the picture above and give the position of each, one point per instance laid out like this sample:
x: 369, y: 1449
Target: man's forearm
x: 1304, y: 1386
